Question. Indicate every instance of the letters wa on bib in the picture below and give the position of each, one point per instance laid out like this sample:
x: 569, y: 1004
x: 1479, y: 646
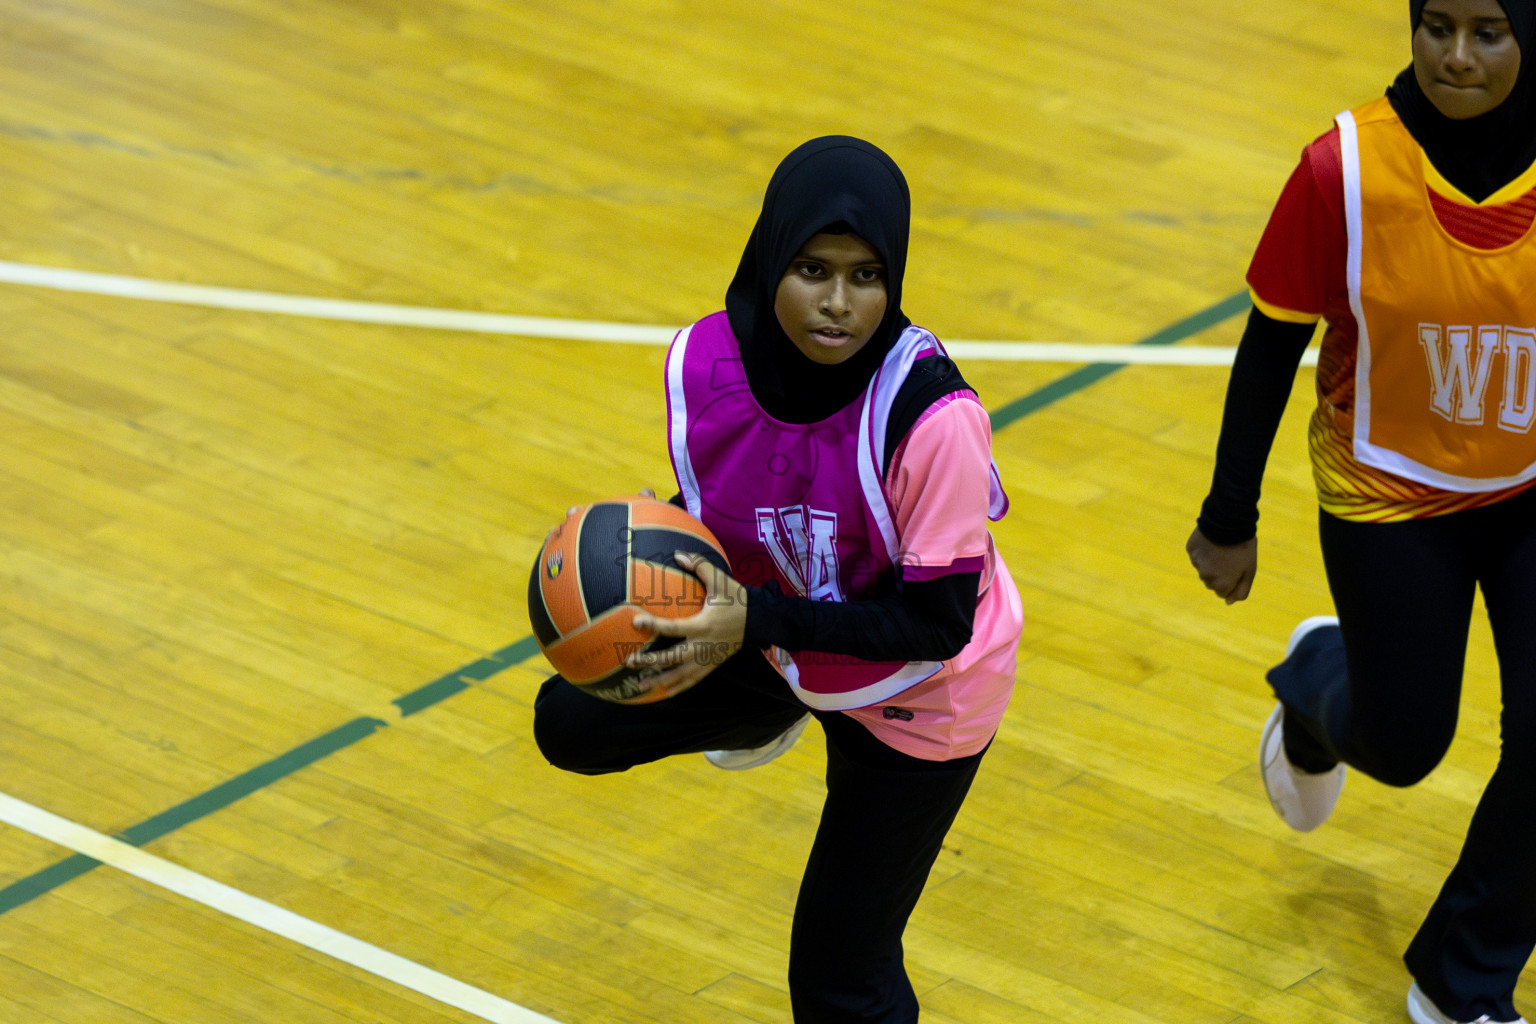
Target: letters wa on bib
x: 807, y: 505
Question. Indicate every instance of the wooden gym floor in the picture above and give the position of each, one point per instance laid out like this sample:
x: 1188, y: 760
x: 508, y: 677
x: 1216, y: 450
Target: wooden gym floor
x: 262, y: 573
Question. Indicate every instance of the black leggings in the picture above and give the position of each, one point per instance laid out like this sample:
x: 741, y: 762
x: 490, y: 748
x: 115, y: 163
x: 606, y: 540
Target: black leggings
x: 1385, y: 701
x: 882, y: 826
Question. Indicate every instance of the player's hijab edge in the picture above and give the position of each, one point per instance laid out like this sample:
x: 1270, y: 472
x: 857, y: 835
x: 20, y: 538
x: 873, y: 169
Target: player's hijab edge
x: 1478, y: 155
x: 827, y: 181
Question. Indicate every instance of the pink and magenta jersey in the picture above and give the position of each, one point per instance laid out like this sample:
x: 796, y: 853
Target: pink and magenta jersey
x: 808, y: 505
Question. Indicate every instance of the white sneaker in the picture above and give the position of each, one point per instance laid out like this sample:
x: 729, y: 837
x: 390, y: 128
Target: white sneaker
x: 737, y: 760
x: 1303, y: 800
x: 1422, y: 1011
x: 1304, y: 628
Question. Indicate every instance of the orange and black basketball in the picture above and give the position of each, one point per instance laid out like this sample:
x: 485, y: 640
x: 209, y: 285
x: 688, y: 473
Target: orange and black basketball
x: 605, y: 563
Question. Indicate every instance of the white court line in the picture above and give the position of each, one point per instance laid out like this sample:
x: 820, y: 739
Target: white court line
x: 251, y: 910
x: 329, y: 309
x: 549, y: 327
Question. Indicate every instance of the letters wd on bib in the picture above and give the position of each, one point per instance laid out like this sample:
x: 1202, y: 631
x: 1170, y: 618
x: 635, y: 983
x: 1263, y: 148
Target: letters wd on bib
x: 1446, y: 376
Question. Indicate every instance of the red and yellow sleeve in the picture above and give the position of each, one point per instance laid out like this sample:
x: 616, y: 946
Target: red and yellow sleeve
x: 1297, y: 271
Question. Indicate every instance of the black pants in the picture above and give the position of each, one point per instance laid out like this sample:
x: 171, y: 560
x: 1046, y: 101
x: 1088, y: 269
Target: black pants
x: 1385, y: 701
x: 883, y: 823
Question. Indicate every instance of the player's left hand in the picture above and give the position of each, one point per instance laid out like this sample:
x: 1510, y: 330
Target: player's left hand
x: 708, y: 638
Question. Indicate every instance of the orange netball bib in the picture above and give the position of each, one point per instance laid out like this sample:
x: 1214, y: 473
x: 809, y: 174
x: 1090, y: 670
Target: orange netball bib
x: 1445, y: 382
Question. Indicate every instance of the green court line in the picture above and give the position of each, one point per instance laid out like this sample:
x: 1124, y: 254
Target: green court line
x: 221, y: 796
x: 454, y: 682
x: 27, y: 889
x: 37, y: 884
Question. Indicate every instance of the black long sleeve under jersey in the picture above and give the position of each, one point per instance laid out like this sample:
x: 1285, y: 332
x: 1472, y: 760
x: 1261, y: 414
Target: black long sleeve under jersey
x: 1257, y: 392
x: 927, y: 620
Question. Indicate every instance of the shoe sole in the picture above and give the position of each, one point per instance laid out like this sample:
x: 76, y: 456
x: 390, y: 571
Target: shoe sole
x: 1419, y: 1012
x: 1422, y: 1011
x: 1276, y: 717
x: 1271, y: 729
x: 1304, y: 628
x: 770, y: 752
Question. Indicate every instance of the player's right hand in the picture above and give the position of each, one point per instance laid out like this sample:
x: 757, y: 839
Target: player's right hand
x: 1227, y: 570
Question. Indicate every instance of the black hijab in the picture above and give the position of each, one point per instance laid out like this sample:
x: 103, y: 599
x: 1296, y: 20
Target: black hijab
x: 1479, y: 155
x: 834, y: 181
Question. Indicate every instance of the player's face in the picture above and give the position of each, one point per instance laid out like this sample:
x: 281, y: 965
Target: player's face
x: 832, y: 297
x: 1464, y: 56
